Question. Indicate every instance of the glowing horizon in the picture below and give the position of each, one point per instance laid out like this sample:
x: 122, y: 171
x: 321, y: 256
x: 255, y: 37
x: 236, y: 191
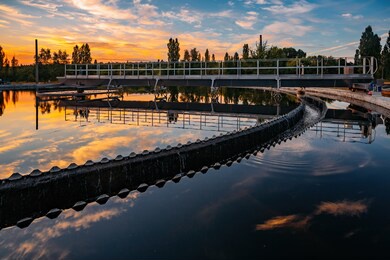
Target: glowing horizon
x: 139, y: 30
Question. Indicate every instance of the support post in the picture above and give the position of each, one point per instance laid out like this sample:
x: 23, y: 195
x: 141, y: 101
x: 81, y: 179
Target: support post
x: 364, y: 65
x: 372, y: 66
x: 36, y: 62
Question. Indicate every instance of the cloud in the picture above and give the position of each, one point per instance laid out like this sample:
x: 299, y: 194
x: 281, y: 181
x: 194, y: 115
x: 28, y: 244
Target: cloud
x: 339, y: 208
x: 290, y: 221
x: 13, y: 14
x: 335, y: 48
x: 44, y: 5
x: 345, y: 207
x: 297, y: 8
x: 195, y: 17
x: 103, y: 9
x: 248, y: 21
x: 291, y: 27
x: 350, y: 16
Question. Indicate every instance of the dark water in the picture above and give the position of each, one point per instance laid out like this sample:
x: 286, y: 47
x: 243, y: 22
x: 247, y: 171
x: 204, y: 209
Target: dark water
x: 323, y: 194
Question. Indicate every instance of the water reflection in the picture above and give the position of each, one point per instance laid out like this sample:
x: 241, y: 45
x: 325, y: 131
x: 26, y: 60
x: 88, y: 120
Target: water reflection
x: 294, y: 195
x: 296, y: 221
x: 23, y: 149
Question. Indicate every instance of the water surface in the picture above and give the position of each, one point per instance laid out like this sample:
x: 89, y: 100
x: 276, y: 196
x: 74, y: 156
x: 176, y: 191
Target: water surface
x: 323, y: 194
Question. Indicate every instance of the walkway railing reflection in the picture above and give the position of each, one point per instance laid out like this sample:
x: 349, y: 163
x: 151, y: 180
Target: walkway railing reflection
x: 25, y: 198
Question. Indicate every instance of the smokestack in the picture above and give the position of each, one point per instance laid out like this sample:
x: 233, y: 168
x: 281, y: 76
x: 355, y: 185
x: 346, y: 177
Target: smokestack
x: 261, y: 42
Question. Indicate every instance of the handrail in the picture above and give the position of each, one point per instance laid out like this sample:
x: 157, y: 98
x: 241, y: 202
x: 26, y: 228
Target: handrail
x: 309, y: 66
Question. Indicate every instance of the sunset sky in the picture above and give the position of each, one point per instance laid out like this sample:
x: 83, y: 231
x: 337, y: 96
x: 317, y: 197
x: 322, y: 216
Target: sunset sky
x: 119, y: 30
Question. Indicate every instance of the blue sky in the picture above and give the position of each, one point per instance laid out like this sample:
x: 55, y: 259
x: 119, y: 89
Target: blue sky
x: 119, y: 30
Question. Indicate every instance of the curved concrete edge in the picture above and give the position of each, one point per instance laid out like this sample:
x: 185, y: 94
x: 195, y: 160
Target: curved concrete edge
x: 373, y: 102
x: 55, y: 172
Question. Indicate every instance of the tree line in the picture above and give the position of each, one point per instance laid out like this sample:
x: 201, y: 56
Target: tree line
x: 50, y: 64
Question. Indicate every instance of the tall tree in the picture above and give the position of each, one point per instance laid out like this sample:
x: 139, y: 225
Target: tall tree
x: 386, y: 59
x: 226, y: 57
x: 173, y: 50
x: 194, y: 54
x: 85, y: 54
x: 207, y: 55
x: 14, y: 64
x: 370, y: 44
x: 45, y: 56
x: 60, y: 57
x: 301, y: 54
x: 213, y: 57
x: 275, y: 53
x: 260, y: 51
x: 245, y: 51
x: 187, y: 56
x: 76, y: 55
x: 64, y: 57
x: 236, y: 56
x: 2, y: 57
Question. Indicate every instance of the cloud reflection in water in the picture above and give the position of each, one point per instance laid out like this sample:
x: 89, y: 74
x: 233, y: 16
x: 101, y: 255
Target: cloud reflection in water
x: 296, y: 221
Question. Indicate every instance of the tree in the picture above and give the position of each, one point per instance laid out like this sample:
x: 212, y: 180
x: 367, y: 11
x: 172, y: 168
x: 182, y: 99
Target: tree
x: 213, y: 57
x: 173, y: 50
x: 187, y: 56
x: 275, y: 53
x: 236, y: 56
x: 60, y: 57
x: 245, y: 51
x: 386, y: 59
x: 14, y: 64
x: 85, y: 54
x: 260, y: 51
x: 226, y: 57
x: 81, y: 55
x: 2, y: 57
x: 75, y: 55
x: 301, y: 54
x: 45, y: 56
x: 207, y: 55
x: 194, y: 55
x: 370, y: 44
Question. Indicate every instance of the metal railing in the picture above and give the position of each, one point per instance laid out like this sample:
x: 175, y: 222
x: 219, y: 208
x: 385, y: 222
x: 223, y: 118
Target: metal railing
x: 218, y: 69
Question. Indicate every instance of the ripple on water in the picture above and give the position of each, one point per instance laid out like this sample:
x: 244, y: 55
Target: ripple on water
x: 308, y: 155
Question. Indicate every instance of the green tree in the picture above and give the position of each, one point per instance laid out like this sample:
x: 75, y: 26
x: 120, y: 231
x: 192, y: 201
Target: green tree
x: 275, y: 53
x: 245, y: 51
x: 187, y: 56
x: 260, y: 51
x: 301, y: 54
x: 386, y: 59
x: 194, y: 55
x: 370, y: 44
x: 207, y: 55
x: 173, y: 50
